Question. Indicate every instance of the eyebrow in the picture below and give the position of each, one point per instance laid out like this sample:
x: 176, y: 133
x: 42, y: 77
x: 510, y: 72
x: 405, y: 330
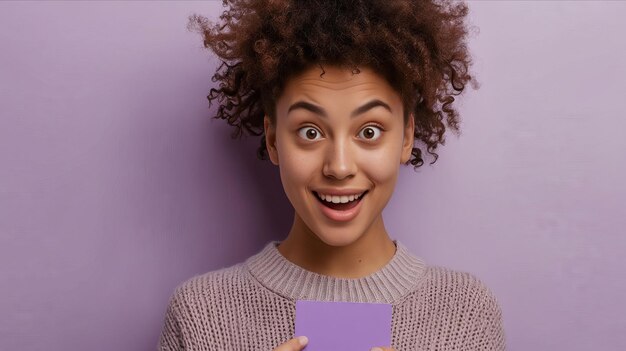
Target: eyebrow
x: 320, y: 111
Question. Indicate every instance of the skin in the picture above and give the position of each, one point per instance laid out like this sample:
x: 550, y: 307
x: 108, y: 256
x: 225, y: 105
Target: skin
x: 296, y: 344
x: 328, y: 145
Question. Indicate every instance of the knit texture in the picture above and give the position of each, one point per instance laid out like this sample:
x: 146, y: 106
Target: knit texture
x: 251, y: 305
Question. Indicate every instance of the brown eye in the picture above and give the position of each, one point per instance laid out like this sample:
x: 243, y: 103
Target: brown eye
x: 370, y: 133
x: 309, y: 133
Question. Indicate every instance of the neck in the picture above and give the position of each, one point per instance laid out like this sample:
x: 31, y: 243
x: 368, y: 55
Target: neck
x: 366, y: 255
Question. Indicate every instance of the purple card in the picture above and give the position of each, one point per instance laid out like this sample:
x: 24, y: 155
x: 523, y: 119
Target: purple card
x: 343, y: 326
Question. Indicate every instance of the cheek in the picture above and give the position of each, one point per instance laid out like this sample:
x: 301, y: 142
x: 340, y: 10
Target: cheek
x: 382, y: 172
x: 296, y: 167
x: 382, y: 165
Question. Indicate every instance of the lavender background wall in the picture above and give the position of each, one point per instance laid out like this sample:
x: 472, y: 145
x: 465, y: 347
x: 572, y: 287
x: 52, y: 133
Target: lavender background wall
x: 115, y: 185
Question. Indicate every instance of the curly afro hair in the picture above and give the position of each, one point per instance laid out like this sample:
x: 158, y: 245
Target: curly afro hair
x: 419, y: 46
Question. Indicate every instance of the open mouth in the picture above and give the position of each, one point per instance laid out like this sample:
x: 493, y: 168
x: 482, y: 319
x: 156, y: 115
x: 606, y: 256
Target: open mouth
x: 339, y: 204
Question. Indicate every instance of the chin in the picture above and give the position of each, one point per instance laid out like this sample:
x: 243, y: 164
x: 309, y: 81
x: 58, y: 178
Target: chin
x: 339, y: 238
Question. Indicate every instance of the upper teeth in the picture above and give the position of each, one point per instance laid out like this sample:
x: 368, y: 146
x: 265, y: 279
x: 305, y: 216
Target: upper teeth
x: 339, y: 199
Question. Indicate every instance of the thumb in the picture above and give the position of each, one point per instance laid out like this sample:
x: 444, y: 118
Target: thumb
x: 382, y: 348
x: 295, y: 344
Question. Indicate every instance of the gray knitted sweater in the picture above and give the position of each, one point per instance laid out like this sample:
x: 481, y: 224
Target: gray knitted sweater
x: 251, y: 305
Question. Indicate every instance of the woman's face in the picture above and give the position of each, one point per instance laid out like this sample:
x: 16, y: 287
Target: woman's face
x: 339, y: 141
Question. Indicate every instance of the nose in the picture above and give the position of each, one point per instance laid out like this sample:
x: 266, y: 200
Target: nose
x: 339, y: 160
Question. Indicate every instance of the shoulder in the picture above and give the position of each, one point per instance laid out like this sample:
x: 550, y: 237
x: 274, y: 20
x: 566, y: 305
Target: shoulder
x: 465, y: 300
x: 193, y: 302
x: 458, y: 287
x: 213, y: 285
x: 213, y: 292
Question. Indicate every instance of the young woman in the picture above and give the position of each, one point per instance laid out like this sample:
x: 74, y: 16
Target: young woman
x: 340, y: 91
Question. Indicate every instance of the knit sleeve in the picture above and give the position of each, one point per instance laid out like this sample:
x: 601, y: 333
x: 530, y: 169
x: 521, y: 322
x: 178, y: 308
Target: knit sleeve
x: 489, y: 330
x: 171, y: 338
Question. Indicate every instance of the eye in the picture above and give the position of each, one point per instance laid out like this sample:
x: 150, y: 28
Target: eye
x: 309, y: 133
x: 370, y: 133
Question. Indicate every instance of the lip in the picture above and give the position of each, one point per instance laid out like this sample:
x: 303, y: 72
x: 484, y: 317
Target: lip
x: 339, y: 192
x: 341, y: 216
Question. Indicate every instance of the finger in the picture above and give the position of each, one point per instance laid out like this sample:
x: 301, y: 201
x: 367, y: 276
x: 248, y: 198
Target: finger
x: 382, y: 348
x: 295, y: 344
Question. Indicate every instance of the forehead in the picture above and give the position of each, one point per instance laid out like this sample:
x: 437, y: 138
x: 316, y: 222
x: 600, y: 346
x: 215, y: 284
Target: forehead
x: 334, y: 81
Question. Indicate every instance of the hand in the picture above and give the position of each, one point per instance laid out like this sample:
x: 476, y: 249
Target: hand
x: 295, y: 344
x: 298, y: 343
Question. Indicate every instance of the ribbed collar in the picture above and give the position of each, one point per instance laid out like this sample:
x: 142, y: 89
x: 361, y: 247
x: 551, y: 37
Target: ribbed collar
x: 397, y: 278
